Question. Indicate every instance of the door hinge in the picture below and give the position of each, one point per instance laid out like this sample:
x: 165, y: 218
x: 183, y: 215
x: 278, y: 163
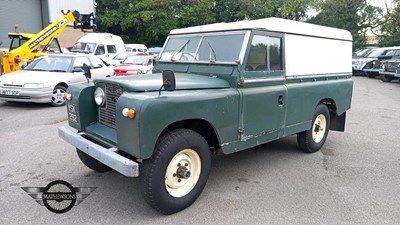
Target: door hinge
x: 240, y: 133
x: 240, y: 83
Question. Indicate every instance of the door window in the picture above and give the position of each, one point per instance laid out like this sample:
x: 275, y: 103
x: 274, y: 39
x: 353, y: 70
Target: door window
x: 100, y: 50
x: 111, y: 49
x: 97, y: 63
x: 265, y: 54
x: 79, y: 61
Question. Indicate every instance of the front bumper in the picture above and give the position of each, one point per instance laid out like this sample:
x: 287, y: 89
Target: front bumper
x: 390, y: 74
x: 106, y: 156
x: 42, y: 95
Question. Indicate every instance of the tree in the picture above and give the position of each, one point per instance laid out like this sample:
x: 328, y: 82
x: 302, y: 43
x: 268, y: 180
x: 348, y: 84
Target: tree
x: 149, y: 21
x: 356, y: 16
x: 390, y: 29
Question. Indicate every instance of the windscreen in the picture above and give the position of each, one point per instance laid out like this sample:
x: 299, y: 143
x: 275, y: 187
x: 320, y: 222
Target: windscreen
x: 83, y: 47
x: 209, y: 47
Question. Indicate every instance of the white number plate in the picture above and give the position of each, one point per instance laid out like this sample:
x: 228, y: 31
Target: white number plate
x: 9, y: 92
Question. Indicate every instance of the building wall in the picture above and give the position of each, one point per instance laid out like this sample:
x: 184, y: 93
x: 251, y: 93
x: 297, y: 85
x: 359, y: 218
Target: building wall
x: 27, y: 13
x: 69, y: 36
x: 34, y: 15
x: 82, y: 6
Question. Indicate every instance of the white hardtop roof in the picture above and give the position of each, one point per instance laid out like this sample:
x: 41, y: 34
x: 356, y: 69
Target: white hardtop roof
x: 271, y: 24
x: 98, y: 35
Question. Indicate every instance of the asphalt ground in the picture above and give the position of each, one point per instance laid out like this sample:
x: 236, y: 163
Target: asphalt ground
x: 354, y: 179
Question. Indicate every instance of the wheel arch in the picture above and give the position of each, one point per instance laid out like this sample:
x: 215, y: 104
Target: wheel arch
x: 203, y: 127
x: 64, y: 84
x: 337, y: 122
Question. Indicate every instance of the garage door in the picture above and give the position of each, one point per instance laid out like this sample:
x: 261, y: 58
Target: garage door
x: 27, y: 13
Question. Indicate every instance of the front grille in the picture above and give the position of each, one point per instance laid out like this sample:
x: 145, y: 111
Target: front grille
x: 391, y: 66
x: 107, y: 113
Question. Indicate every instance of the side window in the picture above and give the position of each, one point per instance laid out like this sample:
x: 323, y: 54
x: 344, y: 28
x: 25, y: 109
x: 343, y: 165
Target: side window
x: 111, y: 49
x: 265, y: 54
x: 100, y: 50
x: 275, y: 53
x: 79, y: 61
x: 97, y: 63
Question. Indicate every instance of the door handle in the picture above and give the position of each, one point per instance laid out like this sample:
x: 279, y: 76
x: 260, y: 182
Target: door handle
x: 280, y: 100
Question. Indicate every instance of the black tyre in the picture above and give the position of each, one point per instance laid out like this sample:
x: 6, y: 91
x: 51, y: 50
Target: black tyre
x: 386, y: 78
x: 92, y: 163
x: 57, y: 98
x: 313, y: 139
x: 371, y: 75
x: 177, y: 172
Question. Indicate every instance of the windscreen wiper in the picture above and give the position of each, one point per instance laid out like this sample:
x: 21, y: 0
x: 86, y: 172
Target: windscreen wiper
x: 179, y: 50
x: 212, y: 51
x: 58, y: 71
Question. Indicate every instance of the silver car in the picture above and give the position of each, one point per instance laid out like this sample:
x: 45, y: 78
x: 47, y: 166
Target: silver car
x: 46, y: 79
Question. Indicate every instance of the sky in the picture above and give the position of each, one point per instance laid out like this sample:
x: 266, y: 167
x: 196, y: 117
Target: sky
x: 380, y: 3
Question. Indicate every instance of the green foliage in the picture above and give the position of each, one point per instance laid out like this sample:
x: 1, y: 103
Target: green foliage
x: 391, y: 28
x: 149, y: 21
x: 355, y: 16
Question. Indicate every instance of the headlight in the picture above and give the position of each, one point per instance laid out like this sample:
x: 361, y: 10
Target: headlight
x: 34, y: 85
x: 357, y: 62
x: 99, y: 96
x: 1, y: 84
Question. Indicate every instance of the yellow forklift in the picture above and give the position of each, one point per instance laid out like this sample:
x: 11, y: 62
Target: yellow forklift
x: 25, y: 47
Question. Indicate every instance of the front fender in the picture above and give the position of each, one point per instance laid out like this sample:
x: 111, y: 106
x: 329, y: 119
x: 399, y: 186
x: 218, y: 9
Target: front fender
x: 138, y: 136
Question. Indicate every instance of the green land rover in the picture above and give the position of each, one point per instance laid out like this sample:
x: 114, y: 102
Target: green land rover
x: 217, y: 88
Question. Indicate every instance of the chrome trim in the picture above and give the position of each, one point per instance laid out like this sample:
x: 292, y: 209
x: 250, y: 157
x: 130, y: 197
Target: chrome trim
x: 253, y: 81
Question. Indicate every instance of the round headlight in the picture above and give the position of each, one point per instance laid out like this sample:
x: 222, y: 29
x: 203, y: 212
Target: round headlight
x: 99, y: 96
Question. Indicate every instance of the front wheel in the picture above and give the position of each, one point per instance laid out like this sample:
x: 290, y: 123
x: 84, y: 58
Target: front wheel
x: 92, y: 163
x: 177, y: 172
x: 57, y: 98
x: 313, y: 139
x: 386, y: 78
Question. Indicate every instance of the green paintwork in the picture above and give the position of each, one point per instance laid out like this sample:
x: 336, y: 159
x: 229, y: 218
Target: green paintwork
x: 243, y: 108
x: 82, y: 98
x: 219, y: 107
x: 153, y: 82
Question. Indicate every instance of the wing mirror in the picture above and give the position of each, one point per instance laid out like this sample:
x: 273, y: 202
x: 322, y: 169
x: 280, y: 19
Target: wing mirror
x: 169, y: 82
x: 86, y: 70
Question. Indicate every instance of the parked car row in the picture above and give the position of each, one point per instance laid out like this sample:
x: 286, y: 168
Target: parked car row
x: 379, y: 62
x: 46, y: 79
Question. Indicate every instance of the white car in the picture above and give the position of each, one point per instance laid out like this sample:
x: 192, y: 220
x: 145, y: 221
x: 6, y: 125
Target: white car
x: 46, y: 79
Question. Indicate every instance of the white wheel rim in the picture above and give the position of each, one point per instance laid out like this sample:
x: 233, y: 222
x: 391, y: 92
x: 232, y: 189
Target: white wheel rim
x: 176, y: 185
x: 318, y: 129
x: 58, y: 96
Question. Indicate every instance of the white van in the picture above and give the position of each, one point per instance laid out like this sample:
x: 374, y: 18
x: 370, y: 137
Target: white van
x: 104, y: 45
x: 136, y: 48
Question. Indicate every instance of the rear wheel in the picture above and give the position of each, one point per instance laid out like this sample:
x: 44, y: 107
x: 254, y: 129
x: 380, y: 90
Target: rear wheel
x: 313, y: 139
x: 177, y: 172
x: 57, y: 98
